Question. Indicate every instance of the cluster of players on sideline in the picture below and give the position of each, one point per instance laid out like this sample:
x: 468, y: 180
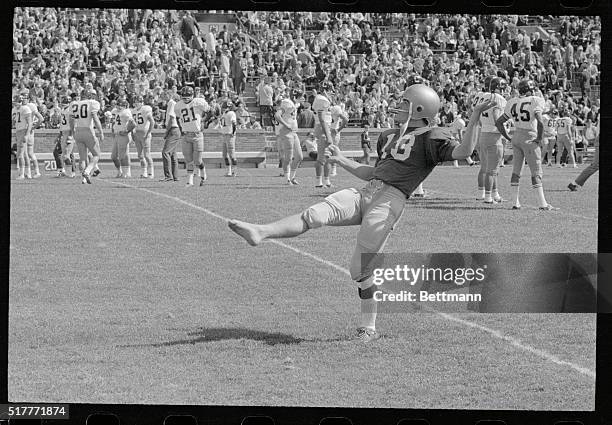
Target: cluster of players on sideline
x: 183, y: 123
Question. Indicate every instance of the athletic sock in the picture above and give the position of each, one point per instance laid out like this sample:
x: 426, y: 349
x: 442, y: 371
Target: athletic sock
x: 327, y: 181
x: 319, y: 181
x: 368, y: 313
x: 541, y: 199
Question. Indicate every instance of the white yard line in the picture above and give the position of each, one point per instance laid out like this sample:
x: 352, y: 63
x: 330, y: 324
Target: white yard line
x: 492, y: 332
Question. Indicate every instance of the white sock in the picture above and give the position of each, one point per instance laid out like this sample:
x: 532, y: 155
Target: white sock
x: 541, y: 198
x: 288, y: 173
x: 293, y: 173
x: 495, y: 193
x: 151, y: 170
x: 482, y: 192
x: 368, y: 310
x: 327, y: 181
x: 319, y: 181
x: 515, y: 195
x: 229, y: 169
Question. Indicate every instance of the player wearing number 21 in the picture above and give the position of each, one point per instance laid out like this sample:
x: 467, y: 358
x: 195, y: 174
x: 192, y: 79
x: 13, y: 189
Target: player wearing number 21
x: 407, y: 155
x: 526, y: 113
x: 189, y: 111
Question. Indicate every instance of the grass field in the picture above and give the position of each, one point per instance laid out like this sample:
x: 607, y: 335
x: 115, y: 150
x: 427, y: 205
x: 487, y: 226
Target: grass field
x: 136, y: 292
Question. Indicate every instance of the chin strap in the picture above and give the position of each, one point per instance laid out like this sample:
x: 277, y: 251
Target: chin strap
x: 404, y: 126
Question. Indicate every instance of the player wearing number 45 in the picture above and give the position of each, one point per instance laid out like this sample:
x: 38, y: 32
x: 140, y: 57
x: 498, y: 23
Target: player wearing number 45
x: 526, y: 111
x: 407, y: 155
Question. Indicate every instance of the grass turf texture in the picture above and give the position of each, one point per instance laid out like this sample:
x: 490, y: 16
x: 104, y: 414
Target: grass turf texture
x: 118, y: 295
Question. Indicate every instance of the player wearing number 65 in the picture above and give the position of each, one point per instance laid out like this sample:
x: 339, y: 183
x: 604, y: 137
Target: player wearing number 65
x: 407, y: 155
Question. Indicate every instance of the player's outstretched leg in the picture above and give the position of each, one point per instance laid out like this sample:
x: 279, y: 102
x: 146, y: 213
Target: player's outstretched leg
x: 254, y: 234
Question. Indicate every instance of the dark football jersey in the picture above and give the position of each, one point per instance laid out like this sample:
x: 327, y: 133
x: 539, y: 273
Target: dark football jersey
x: 406, y: 162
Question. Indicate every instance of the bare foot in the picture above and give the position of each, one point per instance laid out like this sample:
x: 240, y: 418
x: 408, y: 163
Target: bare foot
x: 248, y: 231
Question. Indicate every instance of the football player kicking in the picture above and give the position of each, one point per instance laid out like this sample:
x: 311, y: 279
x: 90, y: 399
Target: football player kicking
x: 491, y: 147
x: 407, y: 155
x: 123, y: 125
x: 143, y: 116
x: 591, y: 169
x: 82, y: 121
x: 189, y: 111
x: 288, y: 141
x: 526, y: 111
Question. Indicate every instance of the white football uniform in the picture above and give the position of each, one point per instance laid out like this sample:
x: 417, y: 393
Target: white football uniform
x: 170, y: 114
x: 522, y: 111
x: 322, y: 104
x: 288, y: 113
x: 226, y: 122
x: 550, y: 126
x: 189, y: 115
x: 141, y: 118
x: 563, y: 126
x: 487, y: 118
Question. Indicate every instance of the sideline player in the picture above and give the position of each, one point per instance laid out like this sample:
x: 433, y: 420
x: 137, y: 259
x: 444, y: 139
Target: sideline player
x: 591, y: 169
x: 82, y: 122
x: 491, y: 147
x: 565, y: 130
x: 526, y: 111
x: 66, y: 140
x: 407, y: 155
x: 321, y: 105
x: 37, y: 119
x: 288, y: 141
x: 339, y: 122
x: 189, y: 111
x: 123, y: 125
x: 172, y: 137
x: 143, y: 117
x: 228, y: 131
x: 549, y: 120
x: 22, y: 118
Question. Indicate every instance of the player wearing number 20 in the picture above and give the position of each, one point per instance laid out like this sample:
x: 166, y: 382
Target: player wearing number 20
x: 82, y: 121
x: 143, y: 117
x: 407, y: 155
x: 526, y: 112
x: 189, y: 111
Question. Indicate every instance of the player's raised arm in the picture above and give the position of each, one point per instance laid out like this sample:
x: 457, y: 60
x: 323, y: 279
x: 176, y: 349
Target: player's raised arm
x: 470, y: 138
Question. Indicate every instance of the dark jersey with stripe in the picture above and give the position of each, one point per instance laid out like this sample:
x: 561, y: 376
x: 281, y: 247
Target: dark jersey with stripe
x: 406, y: 162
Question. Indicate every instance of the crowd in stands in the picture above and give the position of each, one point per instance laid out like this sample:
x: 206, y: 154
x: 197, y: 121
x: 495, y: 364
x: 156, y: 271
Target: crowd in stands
x: 368, y: 58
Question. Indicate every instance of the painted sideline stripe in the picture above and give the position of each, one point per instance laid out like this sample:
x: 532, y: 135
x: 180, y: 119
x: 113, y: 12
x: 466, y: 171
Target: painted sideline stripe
x: 494, y: 333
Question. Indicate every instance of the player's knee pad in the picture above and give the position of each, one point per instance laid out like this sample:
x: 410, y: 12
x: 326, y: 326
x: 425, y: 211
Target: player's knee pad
x: 514, y: 179
x: 536, y: 181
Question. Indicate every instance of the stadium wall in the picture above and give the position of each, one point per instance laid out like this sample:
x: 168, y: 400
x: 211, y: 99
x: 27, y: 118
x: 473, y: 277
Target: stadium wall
x: 246, y: 140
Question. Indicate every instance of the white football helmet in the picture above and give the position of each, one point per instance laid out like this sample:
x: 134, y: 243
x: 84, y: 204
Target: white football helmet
x: 418, y: 102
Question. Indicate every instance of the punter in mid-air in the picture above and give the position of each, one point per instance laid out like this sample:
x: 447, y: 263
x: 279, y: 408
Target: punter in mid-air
x: 407, y: 155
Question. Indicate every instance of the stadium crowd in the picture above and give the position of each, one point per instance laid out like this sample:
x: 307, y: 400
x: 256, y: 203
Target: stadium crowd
x: 368, y: 58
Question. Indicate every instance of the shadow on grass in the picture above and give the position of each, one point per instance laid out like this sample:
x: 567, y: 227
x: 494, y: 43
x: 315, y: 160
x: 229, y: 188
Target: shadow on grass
x: 203, y: 335
x: 454, y: 207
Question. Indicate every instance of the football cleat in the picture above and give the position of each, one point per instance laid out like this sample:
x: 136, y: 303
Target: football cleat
x: 20, y: 178
x: 573, y: 187
x: 319, y: 186
x: 516, y: 207
x: 548, y: 207
x: 96, y: 172
x: 37, y: 175
x: 367, y: 335
x: 295, y: 182
x: 119, y: 175
x: 86, y: 178
x: 490, y: 201
x: 418, y: 195
x: 166, y: 179
x: 61, y: 173
x: 202, y: 180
